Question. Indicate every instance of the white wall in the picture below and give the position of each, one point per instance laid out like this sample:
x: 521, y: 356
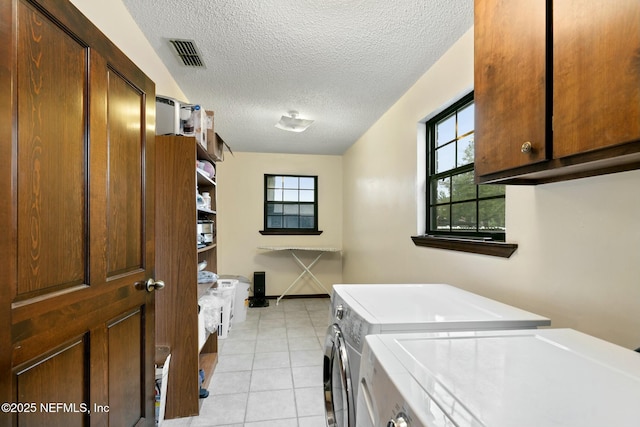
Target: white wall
x: 114, y: 20
x: 241, y: 179
x: 578, y: 260
x: 240, y: 217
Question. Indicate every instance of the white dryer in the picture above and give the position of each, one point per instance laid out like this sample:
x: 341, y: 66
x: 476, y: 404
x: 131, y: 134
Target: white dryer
x: 360, y: 310
x: 528, y: 378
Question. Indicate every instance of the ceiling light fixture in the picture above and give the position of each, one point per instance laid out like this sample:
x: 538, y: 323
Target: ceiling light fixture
x: 292, y: 123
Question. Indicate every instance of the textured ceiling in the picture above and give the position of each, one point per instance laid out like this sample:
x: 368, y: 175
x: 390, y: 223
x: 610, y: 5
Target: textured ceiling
x: 342, y: 63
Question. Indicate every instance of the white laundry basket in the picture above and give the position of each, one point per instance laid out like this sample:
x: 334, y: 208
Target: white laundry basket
x: 241, y: 301
x: 225, y: 290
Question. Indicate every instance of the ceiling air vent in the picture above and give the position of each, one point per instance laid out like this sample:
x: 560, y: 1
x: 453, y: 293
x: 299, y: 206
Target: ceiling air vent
x: 188, y: 52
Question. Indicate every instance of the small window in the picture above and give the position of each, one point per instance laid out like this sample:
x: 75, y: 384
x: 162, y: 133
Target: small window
x: 290, y: 204
x: 456, y: 206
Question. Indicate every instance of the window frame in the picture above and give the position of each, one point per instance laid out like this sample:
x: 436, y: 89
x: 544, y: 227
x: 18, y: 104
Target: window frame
x: 475, y: 241
x: 433, y: 176
x: 289, y: 230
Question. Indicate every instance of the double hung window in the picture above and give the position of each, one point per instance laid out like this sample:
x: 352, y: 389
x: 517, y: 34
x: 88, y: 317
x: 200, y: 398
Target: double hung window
x: 456, y: 206
x: 291, y: 204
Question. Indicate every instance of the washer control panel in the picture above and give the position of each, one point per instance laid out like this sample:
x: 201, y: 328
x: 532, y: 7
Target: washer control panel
x: 353, y: 327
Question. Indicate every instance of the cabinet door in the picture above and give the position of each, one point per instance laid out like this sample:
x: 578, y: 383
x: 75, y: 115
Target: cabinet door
x: 596, y: 67
x: 510, y: 84
x: 77, y: 186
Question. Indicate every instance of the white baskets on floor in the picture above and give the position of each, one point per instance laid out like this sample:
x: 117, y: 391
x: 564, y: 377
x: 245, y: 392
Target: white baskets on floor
x: 225, y: 290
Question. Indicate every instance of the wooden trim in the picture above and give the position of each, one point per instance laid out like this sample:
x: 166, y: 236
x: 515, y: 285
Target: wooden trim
x: 295, y: 296
x: 483, y: 247
x: 8, y: 211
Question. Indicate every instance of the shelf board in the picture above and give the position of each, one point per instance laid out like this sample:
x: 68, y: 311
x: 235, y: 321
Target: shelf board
x: 203, y: 288
x: 207, y: 248
x: 203, y: 154
x: 162, y: 351
x: 209, y: 211
x: 203, y: 178
x: 208, y: 362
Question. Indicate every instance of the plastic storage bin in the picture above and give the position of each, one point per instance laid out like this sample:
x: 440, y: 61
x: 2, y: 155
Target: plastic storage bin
x: 241, y: 301
x: 225, y: 290
x: 209, y: 316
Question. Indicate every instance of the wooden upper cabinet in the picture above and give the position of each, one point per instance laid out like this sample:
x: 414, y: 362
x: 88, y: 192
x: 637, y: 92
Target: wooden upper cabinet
x: 562, y: 76
x: 510, y: 84
x: 596, y: 63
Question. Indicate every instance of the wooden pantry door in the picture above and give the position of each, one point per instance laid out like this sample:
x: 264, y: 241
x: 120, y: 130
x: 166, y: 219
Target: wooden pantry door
x: 77, y: 220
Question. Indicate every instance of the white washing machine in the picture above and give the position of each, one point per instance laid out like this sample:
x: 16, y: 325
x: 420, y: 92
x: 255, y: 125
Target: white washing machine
x: 527, y: 378
x: 360, y: 310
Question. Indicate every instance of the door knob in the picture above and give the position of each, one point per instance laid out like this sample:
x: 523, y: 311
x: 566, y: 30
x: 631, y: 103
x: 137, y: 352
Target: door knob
x: 153, y: 285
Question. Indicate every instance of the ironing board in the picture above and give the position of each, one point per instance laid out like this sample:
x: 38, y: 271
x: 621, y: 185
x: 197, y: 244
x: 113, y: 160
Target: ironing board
x: 306, y: 269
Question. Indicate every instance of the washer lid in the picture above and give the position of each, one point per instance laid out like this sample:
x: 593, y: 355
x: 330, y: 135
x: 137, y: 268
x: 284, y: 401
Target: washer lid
x: 531, y: 378
x: 434, y: 307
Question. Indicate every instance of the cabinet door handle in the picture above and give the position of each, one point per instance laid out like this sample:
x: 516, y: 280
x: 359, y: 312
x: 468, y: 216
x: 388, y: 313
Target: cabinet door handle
x: 526, y: 147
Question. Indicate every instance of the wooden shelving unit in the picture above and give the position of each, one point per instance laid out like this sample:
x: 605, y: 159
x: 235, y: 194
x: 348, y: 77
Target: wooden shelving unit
x: 177, y: 257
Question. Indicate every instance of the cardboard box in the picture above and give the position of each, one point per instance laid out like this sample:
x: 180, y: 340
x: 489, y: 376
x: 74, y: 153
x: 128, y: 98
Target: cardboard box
x: 217, y: 149
x: 211, y: 138
x: 199, y: 118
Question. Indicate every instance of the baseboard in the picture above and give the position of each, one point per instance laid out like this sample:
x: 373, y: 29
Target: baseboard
x: 295, y: 296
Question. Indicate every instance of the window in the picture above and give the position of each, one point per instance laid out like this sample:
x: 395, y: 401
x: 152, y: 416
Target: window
x: 456, y: 206
x: 290, y: 204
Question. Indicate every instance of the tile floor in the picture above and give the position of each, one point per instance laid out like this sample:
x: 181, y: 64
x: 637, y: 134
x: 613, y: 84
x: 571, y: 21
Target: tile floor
x: 269, y: 370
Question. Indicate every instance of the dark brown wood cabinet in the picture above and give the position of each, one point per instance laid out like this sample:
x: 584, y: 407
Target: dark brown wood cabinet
x: 77, y: 184
x: 177, y: 256
x: 557, y: 89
